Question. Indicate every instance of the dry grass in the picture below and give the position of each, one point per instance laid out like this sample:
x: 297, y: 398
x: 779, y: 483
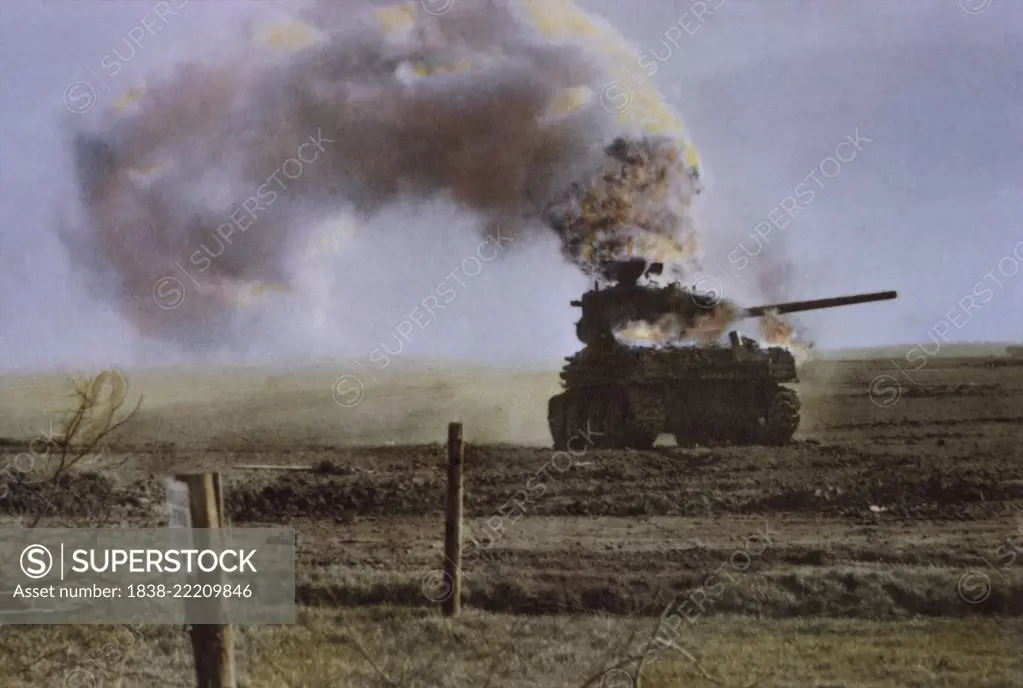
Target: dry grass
x: 251, y: 408
x: 386, y: 646
x: 394, y: 646
x: 517, y: 652
x: 414, y: 647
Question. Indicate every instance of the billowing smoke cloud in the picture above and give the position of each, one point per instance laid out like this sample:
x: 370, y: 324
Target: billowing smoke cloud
x: 638, y: 205
x: 214, y: 181
x: 214, y: 178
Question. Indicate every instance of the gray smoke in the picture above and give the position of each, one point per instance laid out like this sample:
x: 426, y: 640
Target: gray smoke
x: 192, y: 184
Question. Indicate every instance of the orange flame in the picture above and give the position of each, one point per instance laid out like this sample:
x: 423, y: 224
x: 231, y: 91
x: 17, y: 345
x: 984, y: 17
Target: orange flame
x: 774, y: 329
x: 776, y: 332
x: 704, y: 327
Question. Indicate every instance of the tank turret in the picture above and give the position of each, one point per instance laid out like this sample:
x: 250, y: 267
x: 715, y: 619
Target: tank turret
x: 626, y: 396
x: 604, y: 310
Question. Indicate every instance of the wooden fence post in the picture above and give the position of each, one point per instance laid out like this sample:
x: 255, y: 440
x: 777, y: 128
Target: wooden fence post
x: 212, y: 644
x: 453, y: 521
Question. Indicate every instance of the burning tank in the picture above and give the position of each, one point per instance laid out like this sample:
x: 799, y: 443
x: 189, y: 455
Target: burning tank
x: 626, y: 396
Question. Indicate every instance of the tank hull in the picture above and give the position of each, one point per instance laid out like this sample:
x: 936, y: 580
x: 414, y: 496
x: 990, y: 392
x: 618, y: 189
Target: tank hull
x: 627, y: 398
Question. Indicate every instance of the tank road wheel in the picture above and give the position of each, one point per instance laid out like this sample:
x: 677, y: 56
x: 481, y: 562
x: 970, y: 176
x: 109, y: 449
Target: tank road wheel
x: 557, y: 420
x: 782, y: 417
x: 607, y: 416
x: 742, y: 430
x: 595, y: 416
x: 638, y: 439
x: 685, y: 438
x: 745, y: 435
x: 644, y: 417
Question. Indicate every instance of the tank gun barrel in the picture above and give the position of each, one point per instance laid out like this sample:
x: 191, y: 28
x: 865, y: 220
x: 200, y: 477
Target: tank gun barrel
x: 818, y: 304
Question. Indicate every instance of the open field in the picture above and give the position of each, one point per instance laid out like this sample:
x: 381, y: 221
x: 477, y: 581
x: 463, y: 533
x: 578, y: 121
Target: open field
x: 879, y: 549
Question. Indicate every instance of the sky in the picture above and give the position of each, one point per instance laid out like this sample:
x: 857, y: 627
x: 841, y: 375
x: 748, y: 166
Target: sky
x: 926, y: 94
